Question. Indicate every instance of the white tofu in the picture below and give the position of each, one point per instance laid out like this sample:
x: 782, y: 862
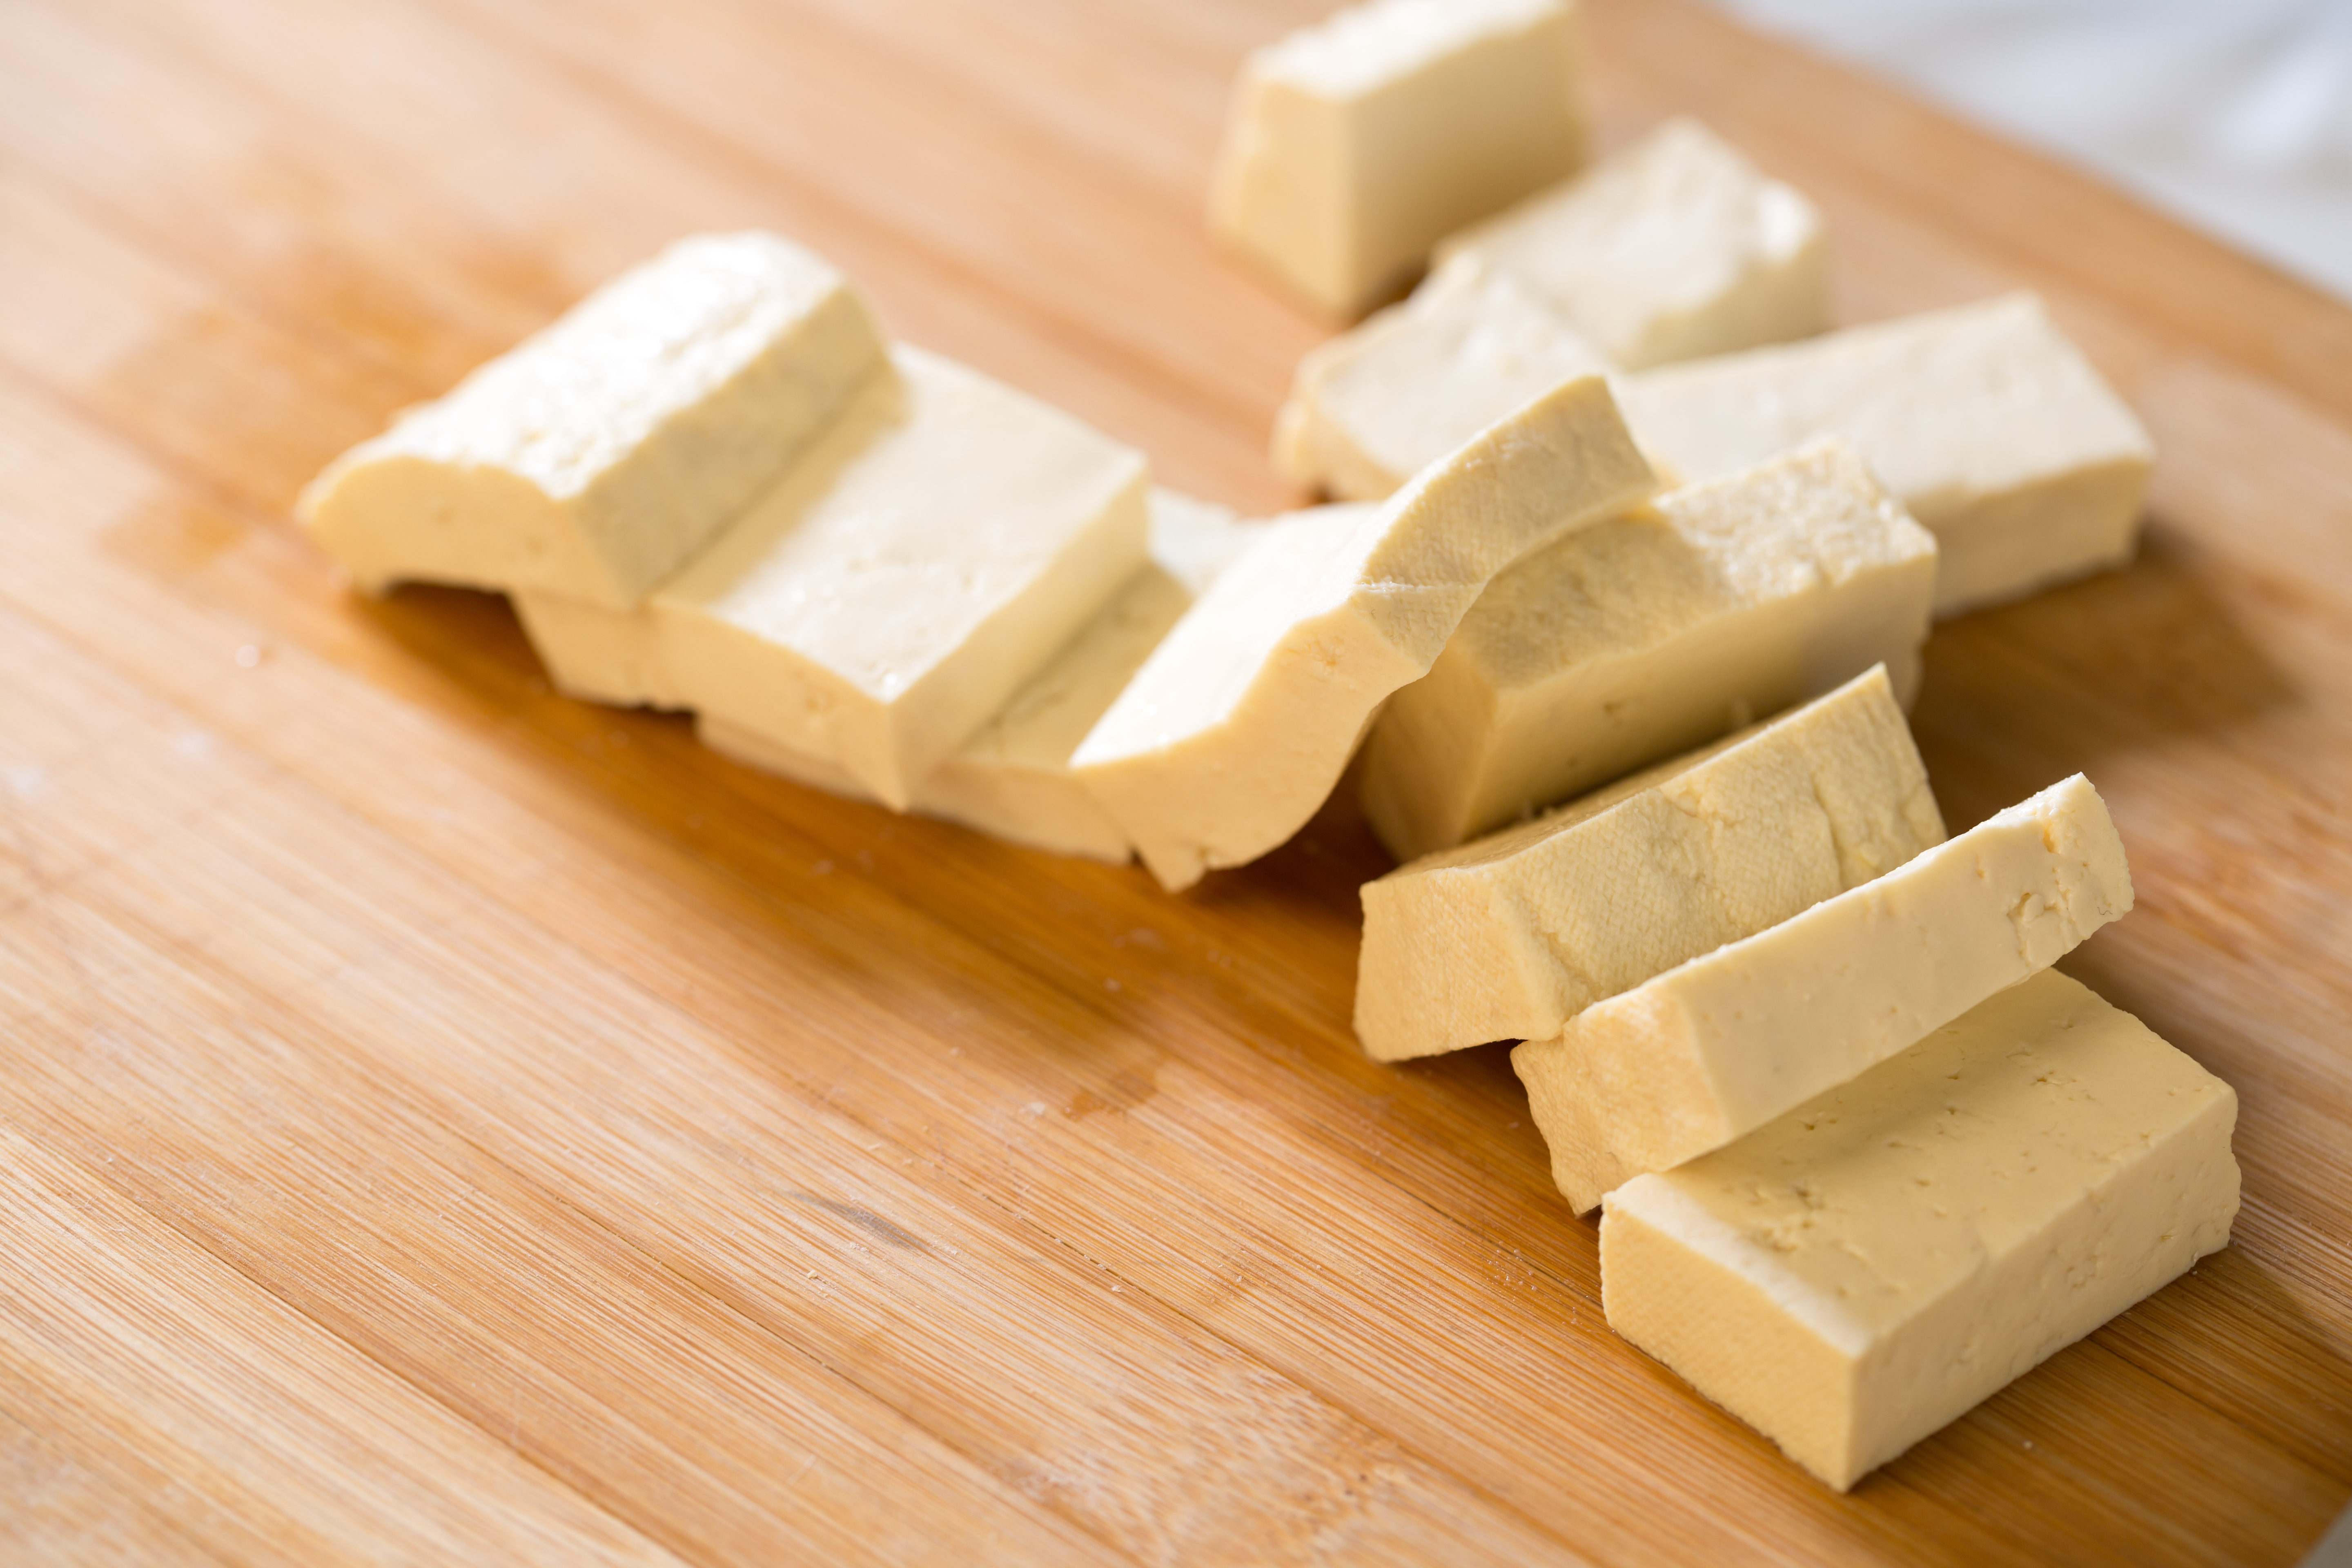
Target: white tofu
x: 1512, y: 936
x: 1352, y: 146
x: 1691, y: 1060
x: 934, y: 549
x: 1866, y: 1268
x: 1647, y: 635
x: 1375, y: 406
x: 1984, y: 421
x: 1238, y: 725
x: 595, y: 459
x: 1676, y: 248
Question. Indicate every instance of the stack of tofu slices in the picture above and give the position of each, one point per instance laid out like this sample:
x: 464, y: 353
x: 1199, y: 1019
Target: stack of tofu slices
x: 1862, y: 1155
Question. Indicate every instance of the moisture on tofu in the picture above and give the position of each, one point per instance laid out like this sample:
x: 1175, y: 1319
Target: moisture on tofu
x: 597, y: 458
x: 931, y: 553
x: 1646, y: 635
x: 1863, y: 1269
x: 1984, y: 421
x: 1373, y: 406
x: 1352, y: 146
x: 1238, y: 725
x: 1512, y: 936
x: 1694, y: 1057
x: 1676, y: 248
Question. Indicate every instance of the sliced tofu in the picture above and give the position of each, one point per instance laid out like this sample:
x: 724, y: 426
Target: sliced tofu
x: 1675, y: 247
x: 1352, y: 146
x: 1373, y: 406
x: 1646, y: 635
x: 597, y: 458
x: 1984, y: 421
x: 1722, y: 1044
x: 1512, y: 936
x: 934, y: 549
x: 1236, y: 728
x: 1855, y: 1274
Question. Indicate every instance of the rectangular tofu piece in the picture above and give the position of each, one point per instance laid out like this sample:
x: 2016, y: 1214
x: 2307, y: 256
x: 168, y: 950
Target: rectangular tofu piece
x: 1352, y: 146
x: 932, y: 552
x: 1512, y: 936
x: 1236, y: 728
x: 1675, y: 247
x: 1375, y: 406
x: 1984, y: 421
x: 598, y: 457
x: 1851, y: 1276
x: 1647, y: 635
x: 1694, y: 1057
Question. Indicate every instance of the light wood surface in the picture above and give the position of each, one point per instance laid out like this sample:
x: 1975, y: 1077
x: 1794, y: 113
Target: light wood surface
x: 440, y: 1121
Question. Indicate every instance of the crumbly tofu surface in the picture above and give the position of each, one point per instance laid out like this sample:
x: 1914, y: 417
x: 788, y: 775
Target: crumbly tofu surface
x: 597, y: 458
x: 1512, y: 936
x: 1676, y: 248
x: 1984, y: 421
x: 1238, y: 725
x: 1378, y: 403
x: 1693, y: 1059
x: 1857, y: 1273
x: 1352, y: 146
x: 1647, y: 635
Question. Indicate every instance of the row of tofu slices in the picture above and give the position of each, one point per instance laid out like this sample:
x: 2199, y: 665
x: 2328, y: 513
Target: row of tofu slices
x: 1862, y: 1156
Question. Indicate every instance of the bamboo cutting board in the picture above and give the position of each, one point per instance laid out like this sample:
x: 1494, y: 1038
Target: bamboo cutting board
x: 440, y: 1121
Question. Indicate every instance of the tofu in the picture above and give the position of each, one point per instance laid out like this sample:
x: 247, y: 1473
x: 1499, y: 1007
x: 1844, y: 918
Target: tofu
x: 1512, y: 936
x: 1863, y: 1269
x: 1647, y: 635
x: 927, y: 557
x: 1241, y: 721
x: 1352, y: 146
x: 1676, y: 248
x: 1715, y: 1047
x: 597, y: 458
x: 1984, y: 421
x: 1373, y: 406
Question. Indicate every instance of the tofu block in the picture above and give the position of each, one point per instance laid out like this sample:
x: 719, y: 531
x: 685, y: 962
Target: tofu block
x: 1984, y: 421
x: 1718, y: 1045
x: 597, y: 458
x: 1240, y: 722
x: 929, y: 554
x: 1647, y: 635
x: 1352, y: 146
x: 1851, y: 1276
x: 1512, y: 936
x: 1375, y: 406
x: 1676, y: 248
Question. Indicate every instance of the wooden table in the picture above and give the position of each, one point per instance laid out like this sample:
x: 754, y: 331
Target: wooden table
x: 441, y: 1122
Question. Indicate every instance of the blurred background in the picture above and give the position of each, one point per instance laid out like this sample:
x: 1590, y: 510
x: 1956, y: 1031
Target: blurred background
x: 2235, y: 115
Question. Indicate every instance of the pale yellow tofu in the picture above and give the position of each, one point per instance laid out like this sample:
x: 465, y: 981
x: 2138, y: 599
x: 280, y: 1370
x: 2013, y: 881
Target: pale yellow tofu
x: 1511, y: 937
x: 1646, y: 635
x: 1694, y: 1057
x: 598, y: 457
x: 1853, y: 1275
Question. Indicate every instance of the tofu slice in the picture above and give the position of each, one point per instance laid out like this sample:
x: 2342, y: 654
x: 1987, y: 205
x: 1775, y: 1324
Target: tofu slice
x: 1984, y: 421
x: 1647, y: 635
x: 1691, y: 1060
x: 1373, y: 406
x: 1857, y: 1273
x: 1238, y: 725
x: 1352, y: 146
x: 1676, y: 248
x: 597, y: 458
x: 934, y: 549
x: 1512, y: 936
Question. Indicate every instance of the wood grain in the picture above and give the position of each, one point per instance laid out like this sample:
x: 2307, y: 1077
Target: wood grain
x: 440, y: 1120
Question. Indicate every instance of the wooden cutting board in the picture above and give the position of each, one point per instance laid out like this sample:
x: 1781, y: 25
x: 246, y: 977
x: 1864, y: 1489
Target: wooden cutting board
x: 440, y: 1121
